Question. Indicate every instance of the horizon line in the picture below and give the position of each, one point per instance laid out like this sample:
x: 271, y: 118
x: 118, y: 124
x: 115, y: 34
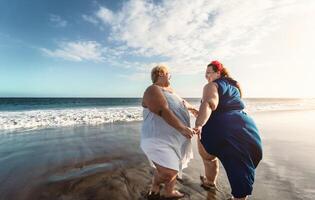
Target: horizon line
x: 89, y: 97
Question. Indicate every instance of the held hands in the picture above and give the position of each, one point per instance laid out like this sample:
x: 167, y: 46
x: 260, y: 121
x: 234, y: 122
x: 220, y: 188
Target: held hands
x: 187, y: 132
x: 190, y: 132
x: 198, y: 130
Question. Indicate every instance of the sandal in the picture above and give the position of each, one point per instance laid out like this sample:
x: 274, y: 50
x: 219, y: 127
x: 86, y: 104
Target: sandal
x: 179, y: 179
x: 152, y: 195
x: 207, y: 186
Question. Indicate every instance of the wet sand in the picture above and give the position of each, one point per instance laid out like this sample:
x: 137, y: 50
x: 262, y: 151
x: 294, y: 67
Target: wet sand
x: 287, y: 170
x: 105, y: 162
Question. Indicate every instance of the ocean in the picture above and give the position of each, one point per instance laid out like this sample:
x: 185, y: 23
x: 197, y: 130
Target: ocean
x: 38, y: 113
x: 70, y: 148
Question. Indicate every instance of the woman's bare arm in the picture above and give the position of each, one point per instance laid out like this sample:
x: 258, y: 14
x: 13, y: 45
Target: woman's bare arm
x: 210, y: 100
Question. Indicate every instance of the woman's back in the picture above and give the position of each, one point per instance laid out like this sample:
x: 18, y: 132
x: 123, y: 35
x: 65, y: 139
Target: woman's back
x: 155, y: 126
x: 229, y: 124
x: 229, y: 97
x: 161, y: 142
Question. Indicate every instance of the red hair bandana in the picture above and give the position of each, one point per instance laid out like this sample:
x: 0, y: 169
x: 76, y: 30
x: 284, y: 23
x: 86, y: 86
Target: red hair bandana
x: 217, y: 64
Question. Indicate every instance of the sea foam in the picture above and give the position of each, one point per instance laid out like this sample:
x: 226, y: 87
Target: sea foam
x: 67, y: 117
x: 61, y: 117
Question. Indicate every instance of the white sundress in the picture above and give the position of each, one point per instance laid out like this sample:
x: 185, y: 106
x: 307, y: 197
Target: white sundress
x: 162, y: 143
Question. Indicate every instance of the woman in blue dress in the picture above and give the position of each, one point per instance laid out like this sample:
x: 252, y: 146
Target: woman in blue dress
x: 227, y: 133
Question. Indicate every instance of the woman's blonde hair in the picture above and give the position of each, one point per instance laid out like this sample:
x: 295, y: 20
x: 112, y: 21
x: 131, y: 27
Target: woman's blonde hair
x: 157, y: 70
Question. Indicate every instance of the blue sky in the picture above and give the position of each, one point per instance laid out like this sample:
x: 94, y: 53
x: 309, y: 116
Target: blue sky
x: 79, y: 48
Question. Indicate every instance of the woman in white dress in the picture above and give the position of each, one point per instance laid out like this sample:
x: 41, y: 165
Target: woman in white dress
x: 166, y: 133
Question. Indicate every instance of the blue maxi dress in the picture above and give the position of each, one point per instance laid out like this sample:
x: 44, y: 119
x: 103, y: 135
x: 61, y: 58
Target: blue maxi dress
x: 232, y: 136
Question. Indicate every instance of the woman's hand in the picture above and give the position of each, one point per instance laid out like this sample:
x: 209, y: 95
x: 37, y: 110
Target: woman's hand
x: 191, y: 109
x: 187, y: 132
x: 194, y: 111
x: 198, y: 130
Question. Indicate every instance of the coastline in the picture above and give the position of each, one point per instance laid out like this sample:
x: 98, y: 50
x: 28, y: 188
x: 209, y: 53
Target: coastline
x: 94, y: 162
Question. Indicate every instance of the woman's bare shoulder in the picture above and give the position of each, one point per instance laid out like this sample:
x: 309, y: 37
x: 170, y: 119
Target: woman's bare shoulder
x: 211, y: 86
x: 152, y: 89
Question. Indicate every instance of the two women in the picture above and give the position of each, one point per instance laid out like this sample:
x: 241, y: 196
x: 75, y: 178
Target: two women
x: 225, y: 131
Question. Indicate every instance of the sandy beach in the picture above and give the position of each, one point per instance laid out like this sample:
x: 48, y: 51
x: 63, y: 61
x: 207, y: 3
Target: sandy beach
x: 105, y: 162
x: 75, y: 76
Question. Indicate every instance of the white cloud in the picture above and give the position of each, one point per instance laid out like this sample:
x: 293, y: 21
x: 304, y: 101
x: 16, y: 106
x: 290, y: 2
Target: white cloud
x: 191, y: 33
x: 77, y: 51
x: 137, y: 76
x: 90, y: 19
x: 58, y: 21
x: 105, y: 15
